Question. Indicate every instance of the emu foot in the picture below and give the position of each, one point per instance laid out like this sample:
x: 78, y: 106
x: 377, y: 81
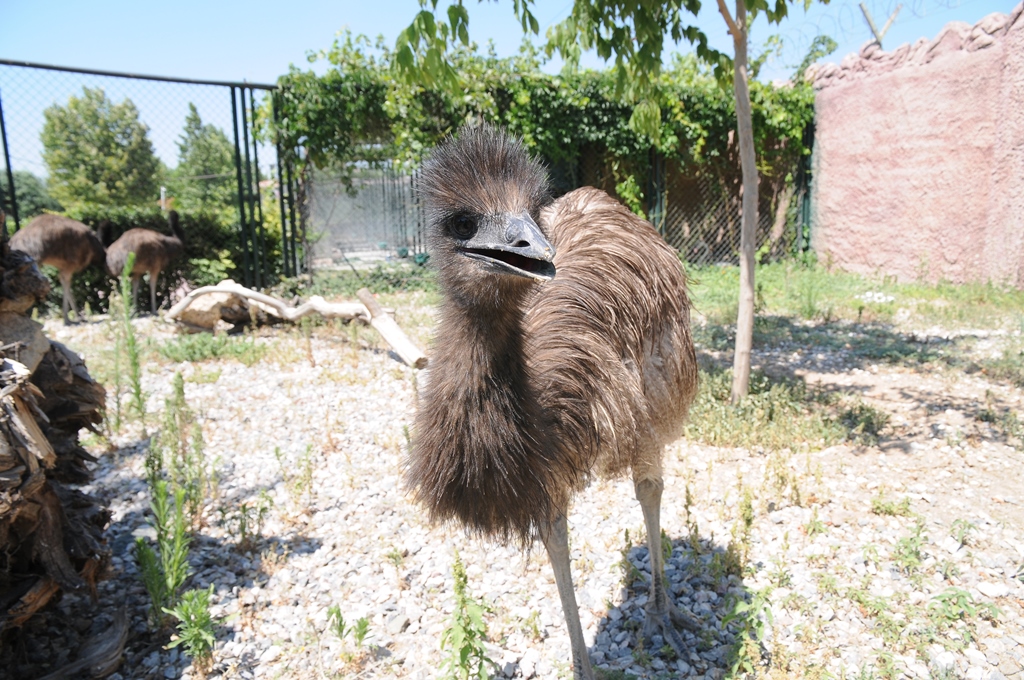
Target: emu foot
x: 666, y: 624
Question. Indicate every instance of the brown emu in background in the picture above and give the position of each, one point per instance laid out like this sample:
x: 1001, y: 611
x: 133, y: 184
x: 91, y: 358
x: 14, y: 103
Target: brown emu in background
x: 541, y: 381
x: 64, y: 243
x: 153, y: 252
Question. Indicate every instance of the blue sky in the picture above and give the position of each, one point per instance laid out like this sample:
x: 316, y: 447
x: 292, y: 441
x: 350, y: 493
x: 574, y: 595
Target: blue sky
x: 258, y: 40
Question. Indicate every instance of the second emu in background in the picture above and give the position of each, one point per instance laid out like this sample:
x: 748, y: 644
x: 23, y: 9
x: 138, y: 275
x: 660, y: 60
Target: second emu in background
x: 66, y: 244
x: 153, y: 252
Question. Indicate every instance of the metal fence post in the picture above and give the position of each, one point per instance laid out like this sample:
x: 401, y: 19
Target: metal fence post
x: 10, y: 172
x: 251, y: 225
x: 291, y: 214
x: 246, y: 271
x: 280, y: 188
x: 261, y: 250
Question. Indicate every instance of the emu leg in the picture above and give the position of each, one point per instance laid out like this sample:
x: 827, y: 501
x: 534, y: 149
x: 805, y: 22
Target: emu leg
x: 556, y: 540
x: 152, y: 291
x: 66, y: 297
x: 662, y: 614
x: 135, y: 293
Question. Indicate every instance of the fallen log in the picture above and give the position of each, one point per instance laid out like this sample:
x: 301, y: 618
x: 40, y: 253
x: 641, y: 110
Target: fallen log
x: 367, y: 311
x: 315, y: 305
x: 51, y: 535
x: 390, y: 331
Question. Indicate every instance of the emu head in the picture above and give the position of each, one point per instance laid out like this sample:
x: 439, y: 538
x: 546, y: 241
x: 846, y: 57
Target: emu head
x: 483, y: 194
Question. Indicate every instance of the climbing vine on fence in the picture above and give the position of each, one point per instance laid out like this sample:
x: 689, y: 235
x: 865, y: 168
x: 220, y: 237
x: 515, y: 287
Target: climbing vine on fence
x: 359, y: 110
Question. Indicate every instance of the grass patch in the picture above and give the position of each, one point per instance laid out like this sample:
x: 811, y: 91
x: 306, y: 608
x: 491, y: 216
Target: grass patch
x: 812, y: 292
x: 864, y: 422
x: 205, y: 346
x: 881, y: 505
x: 775, y: 414
x: 1007, y: 368
x: 1005, y: 422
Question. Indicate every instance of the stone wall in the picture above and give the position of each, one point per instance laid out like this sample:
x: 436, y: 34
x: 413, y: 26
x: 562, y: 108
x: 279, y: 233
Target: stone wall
x: 919, y: 156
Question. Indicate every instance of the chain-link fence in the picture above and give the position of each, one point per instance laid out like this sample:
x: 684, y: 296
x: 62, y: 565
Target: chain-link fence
x: 375, y: 220
x: 697, y: 210
x: 124, y: 149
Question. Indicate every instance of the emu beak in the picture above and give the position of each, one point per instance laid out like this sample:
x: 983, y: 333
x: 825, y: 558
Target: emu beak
x: 513, y: 244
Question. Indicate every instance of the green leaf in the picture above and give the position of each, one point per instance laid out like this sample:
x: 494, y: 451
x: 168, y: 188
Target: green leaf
x: 427, y: 26
x: 405, y: 58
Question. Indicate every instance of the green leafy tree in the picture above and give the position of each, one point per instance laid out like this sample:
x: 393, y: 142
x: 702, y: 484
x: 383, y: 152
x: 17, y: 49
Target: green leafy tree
x: 33, y: 197
x: 205, y: 176
x: 633, y: 34
x: 99, y: 152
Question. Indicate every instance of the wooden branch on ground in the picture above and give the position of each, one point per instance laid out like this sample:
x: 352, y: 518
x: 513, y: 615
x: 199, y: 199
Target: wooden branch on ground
x: 368, y: 312
x: 316, y: 304
x: 390, y: 331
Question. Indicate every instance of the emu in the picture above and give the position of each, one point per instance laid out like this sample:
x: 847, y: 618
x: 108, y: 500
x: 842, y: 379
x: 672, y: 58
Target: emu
x: 66, y: 244
x: 153, y: 252
x: 563, y: 353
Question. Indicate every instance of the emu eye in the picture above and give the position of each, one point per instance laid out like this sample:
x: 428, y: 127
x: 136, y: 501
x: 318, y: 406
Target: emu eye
x: 463, y: 226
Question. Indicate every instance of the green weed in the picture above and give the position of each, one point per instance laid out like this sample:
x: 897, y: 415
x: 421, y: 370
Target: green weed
x: 395, y: 557
x: 358, y: 630
x: 206, y: 346
x: 811, y: 290
x: 954, y: 604
x: 907, y: 552
x: 179, y: 449
x: 961, y: 529
x: 1008, y: 367
x: 195, y: 626
x: 630, y: 573
x: 164, y: 571
x: 864, y: 423
x: 748, y: 619
x: 1006, y: 422
x: 126, y: 346
x: 249, y: 520
x: 880, y: 505
x: 815, y: 526
x: 382, y: 279
x: 776, y: 414
x: 463, y: 639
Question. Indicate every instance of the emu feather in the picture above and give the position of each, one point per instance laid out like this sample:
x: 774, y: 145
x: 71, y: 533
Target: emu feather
x: 537, y: 388
x: 64, y: 243
x: 153, y: 252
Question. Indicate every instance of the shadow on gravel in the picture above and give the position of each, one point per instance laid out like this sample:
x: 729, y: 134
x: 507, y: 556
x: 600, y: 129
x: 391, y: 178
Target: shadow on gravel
x: 856, y: 345
x: 56, y: 635
x: 701, y: 579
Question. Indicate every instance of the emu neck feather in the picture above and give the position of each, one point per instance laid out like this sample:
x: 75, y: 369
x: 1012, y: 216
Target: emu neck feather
x: 476, y: 458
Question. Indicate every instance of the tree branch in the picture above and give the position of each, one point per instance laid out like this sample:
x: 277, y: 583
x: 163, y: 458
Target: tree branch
x: 734, y: 30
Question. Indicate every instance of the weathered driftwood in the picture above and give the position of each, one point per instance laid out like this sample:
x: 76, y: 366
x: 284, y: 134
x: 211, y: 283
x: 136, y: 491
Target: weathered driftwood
x: 101, y: 655
x: 51, y: 535
x: 390, y: 331
x: 315, y: 305
x: 368, y: 311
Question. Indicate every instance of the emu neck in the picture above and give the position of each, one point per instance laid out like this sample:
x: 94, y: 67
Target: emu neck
x: 482, y: 453
x: 488, y: 333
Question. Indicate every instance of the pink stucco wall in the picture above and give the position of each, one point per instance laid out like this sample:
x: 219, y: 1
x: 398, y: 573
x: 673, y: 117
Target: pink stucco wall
x: 919, y: 157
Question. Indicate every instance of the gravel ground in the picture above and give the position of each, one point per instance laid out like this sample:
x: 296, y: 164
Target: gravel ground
x: 855, y: 551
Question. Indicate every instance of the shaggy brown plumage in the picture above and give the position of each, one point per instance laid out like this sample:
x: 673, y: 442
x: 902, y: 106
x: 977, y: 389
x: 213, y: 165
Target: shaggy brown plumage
x: 153, y: 252
x: 64, y: 243
x: 534, y: 389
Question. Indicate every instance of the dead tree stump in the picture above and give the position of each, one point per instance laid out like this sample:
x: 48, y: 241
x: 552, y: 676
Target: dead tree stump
x: 51, y: 536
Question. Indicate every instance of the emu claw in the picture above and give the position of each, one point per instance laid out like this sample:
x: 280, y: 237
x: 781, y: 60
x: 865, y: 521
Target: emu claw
x: 666, y: 623
x: 682, y: 618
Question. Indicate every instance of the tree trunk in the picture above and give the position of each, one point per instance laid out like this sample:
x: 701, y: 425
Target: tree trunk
x: 748, y: 229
